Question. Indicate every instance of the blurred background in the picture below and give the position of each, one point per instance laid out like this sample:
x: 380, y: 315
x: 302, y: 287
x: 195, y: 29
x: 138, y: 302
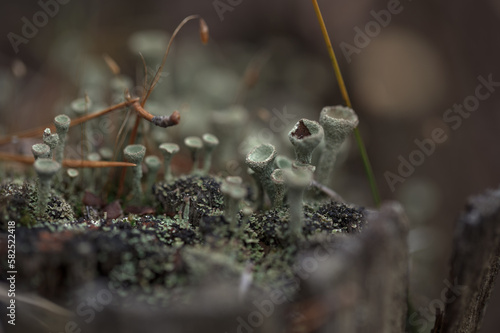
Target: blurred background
x: 405, y: 64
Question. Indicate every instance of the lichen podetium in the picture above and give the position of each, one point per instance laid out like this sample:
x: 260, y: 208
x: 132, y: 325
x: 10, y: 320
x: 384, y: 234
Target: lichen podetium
x: 345, y: 95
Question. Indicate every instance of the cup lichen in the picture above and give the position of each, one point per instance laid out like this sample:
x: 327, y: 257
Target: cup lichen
x: 261, y: 161
x: 338, y: 122
x: 135, y: 154
x: 195, y: 144
x: 210, y: 142
x: 61, y: 122
x: 46, y: 169
x: 40, y: 150
x: 168, y: 151
x: 305, y: 136
x: 50, y: 140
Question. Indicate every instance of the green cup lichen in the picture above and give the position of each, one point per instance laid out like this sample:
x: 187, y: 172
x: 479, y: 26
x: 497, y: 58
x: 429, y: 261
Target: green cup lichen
x: 40, y: 150
x: 283, y: 162
x: 261, y: 161
x: 50, y: 140
x: 230, y: 127
x: 297, y: 180
x: 168, y: 151
x: 195, y: 144
x: 61, y: 123
x: 73, y: 175
x: 135, y: 154
x: 233, y: 192
x: 338, y: 122
x: 210, y: 142
x: 80, y: 106
x: 305, y: 136
x: 153, y: 163
x: 46, y: 169
x: 278, y: 179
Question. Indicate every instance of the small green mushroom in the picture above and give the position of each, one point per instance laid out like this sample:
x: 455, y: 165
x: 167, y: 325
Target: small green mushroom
x: 40, y: 150
x: 61, y: 123
x: 135, y: 154
x: 45, y: 169
x: 50, y: 140
x: 195, y: 144
x: 210, y: 142
x: 261, y: 161
x: 168, y: 150
x: 338, y: 122
x: 305, y: 136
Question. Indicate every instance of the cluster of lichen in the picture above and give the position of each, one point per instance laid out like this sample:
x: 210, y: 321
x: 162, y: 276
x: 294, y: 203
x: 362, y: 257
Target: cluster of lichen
x: 209, y: 223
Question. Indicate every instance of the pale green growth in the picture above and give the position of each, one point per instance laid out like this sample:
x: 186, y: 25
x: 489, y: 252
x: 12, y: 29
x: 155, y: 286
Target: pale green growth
x: 297, y: 180
x: 278, y: 179
x: 230, y: 127
x: 305, y: 136
x: 73, y: 175
x: 261, y: 161
x: 135, y: 154
x: 61, y: 123
x: 94, y: 157
x: 50, y: 140
x: 195, y: 144
x: 210, y: 142
x: 45, y: 169
x: 168, y: 150
x: 283, y: 162
x: 150, y: 43
x: 81, y: 106
x: 299, y: 166
x: 153, y: 163
x: 338, y: 122
x: 247, y: 213
x: 40, y: 150
x: 233, y: 192
x: 119, y: 84
x: 92, y: 176
x: 106, y: 153
x: 259, y: 189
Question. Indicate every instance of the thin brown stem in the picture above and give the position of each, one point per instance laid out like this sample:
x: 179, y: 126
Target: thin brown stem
x: 74, y: 122
x: 66, y: 163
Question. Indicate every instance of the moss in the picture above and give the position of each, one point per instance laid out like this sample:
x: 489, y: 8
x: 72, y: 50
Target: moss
x: 17, y: 203
x: 203, y: 193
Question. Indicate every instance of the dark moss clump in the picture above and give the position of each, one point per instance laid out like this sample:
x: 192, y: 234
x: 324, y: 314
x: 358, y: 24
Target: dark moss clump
x: 201, y: 193
x: 59, y: 258
x: 334, y: 216
x: 271, y: 226
x: 59, y: 210
x: 16, y: 203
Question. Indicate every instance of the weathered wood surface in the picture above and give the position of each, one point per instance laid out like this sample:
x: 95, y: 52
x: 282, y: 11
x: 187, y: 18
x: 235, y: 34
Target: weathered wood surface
x: 474, y: 264
x: 363, y: 287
